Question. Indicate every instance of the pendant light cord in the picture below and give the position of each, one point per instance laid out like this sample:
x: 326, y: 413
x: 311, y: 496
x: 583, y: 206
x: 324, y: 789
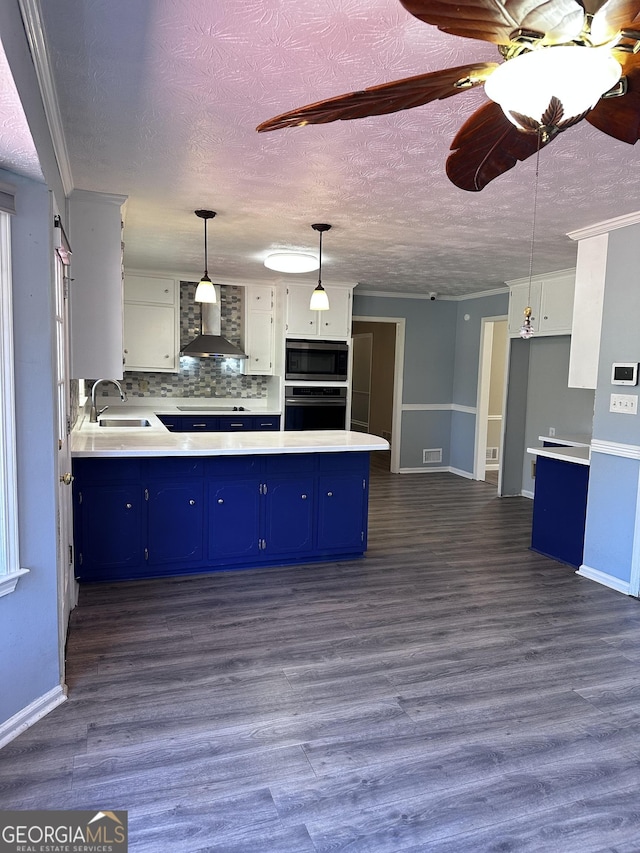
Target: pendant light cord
x: 320, y: 262
x: 206, y: 258
x: 535, y: 210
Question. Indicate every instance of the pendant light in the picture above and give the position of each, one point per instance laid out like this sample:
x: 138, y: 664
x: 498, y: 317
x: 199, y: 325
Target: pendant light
x: 205, y: 291
x: 319, y: 299
x: 526, y: 329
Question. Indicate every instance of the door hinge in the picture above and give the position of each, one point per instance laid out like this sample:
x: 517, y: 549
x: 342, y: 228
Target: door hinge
x: 264, y: 489
x: 264, y: 544
x: 146, y: 494
x: 362, y: 535
x: 364, y: 484
x: 80, y: 558
x: 146, y: 553
x: 68, y: 426
x: 79, y: 497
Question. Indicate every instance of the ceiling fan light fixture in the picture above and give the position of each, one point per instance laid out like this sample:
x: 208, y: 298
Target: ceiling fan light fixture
x: 205, y: 291
x: 576, y: 75
x: 291, y: 262
x: 319, y: 300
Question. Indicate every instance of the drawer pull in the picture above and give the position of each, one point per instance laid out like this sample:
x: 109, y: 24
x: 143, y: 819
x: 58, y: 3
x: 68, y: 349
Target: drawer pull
x: 304, y: 497
x: 128, y: 506
x: 220, y: 501
x: 192, y: 502
x: 329, y: 494
x: 199, y: 425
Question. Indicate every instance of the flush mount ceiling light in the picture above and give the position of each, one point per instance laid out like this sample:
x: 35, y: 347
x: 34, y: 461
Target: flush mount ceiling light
x: 291, y: 262
x: 593, y: 48
x: 205, y: 291
x: 319, y: 299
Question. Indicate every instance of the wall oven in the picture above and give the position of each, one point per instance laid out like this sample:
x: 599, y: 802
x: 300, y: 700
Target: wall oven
x: 314, y: 407
x: 316, y: 361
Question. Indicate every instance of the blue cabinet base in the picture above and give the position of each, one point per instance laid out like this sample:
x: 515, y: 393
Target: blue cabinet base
x: 559, y: 510
x: 142, y: 517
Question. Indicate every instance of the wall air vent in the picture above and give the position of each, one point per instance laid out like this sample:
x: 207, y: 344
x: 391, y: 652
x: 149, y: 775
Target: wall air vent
x: 431, y: 456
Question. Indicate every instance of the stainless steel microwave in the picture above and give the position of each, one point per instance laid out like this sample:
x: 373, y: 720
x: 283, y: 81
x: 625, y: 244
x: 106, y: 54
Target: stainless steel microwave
x: 321, y: 361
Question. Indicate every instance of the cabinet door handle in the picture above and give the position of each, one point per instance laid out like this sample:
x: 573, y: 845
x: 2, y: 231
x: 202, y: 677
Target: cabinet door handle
x: 128, y: 506
x: 304, y: 497
x: 329, y: 494
x: 192, y: 502
x: 220, y: 501
x: 199, y: 425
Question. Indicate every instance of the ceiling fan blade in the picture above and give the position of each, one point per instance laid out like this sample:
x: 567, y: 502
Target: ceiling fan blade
x: 620, y: 117
x: 496, y: 20
x: 386, y: 98
x: 486, y: 146
x: 610, y: 16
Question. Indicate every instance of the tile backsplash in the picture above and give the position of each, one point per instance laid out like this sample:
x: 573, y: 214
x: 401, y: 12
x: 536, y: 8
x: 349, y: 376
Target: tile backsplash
x: 201, y: 377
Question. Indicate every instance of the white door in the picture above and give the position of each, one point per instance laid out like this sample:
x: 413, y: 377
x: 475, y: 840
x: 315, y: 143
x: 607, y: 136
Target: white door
x: 67, y: 586
x: 361, y: 382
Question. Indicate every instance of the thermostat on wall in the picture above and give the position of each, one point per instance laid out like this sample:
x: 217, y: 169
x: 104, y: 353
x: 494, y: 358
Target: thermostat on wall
x: 624, y: 373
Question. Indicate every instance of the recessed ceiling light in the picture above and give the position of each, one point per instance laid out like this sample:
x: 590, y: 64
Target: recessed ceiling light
x: 293, y: 262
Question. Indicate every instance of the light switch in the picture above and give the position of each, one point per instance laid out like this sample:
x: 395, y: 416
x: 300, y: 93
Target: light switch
x: 624, y: 404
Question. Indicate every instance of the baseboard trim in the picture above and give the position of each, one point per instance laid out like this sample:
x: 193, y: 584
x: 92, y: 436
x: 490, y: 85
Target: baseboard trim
x: 604, y: 579
x: 440, y: 469
x: 25, y: 718
x: 527, y: 494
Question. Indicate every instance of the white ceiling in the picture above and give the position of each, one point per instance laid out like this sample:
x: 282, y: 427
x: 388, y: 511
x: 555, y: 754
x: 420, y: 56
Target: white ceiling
x: 160, y: 99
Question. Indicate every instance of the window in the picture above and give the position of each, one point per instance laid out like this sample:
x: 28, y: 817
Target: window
x: 10, y: 570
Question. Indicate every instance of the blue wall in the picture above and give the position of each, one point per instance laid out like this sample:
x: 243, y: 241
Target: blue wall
x: 440, y: 373
x: 29, y: 666
x: 612, y: 534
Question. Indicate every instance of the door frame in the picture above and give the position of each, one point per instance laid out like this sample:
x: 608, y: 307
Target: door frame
x: 482, y: 400
x: 398, y: 374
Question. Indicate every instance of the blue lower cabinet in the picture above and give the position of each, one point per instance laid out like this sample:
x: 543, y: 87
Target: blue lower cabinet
x: 288, y: 516
x: 560, y: 509
x: 342, y: 503
x: 234, y: 520
x: 108, y: 521
x: 185, y: 515
x: 175, y: 522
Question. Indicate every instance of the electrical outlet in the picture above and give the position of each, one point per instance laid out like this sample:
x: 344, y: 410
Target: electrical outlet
x: 552, y: 432
x: 624, y: 404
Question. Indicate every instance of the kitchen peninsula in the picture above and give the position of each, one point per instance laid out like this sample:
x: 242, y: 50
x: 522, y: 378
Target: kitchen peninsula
x: 149, y: 502
x: 560, y: 499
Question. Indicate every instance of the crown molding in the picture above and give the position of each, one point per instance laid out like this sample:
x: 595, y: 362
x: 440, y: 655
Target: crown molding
x: 32, y: 19
x: 605, y: 226
x: 388, y: 294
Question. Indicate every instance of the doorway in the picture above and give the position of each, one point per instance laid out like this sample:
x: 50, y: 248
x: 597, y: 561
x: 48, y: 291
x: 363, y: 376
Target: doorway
x: 378, y: 362
x: 492, y: 381
x: 67, y: 585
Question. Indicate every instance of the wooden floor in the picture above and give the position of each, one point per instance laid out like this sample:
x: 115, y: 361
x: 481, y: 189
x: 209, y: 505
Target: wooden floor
x: 451, y: 692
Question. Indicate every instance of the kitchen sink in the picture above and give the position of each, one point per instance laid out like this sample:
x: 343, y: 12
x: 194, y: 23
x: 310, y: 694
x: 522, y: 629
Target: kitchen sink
x: 124, y: 422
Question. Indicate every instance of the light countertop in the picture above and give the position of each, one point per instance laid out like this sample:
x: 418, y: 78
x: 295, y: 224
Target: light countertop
x: 580, y: 455
x: 89, y: 439
x: 568, y: 440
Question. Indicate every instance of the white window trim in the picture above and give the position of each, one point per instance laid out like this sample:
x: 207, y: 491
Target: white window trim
x: 10, y: 570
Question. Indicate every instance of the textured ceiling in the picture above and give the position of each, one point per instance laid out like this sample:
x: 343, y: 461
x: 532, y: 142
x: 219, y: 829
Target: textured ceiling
x: 17, y: 150
x: 160, y: 100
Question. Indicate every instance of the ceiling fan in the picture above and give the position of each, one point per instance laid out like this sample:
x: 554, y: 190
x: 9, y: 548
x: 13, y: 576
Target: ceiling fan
x: 550, y: 49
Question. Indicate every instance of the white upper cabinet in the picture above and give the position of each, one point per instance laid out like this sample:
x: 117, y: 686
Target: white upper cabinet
x: 95, y: 234
x: 259, y: 330
x: 151, y: 324
x: 334, y: 324
x: 551, y: 300
x: 587, y: 311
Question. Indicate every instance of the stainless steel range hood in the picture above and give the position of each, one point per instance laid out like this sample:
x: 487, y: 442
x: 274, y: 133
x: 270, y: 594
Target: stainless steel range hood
x: 210, y: 342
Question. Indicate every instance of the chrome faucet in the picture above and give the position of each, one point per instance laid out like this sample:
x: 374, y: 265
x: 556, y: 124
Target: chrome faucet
x: 95, y: 412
